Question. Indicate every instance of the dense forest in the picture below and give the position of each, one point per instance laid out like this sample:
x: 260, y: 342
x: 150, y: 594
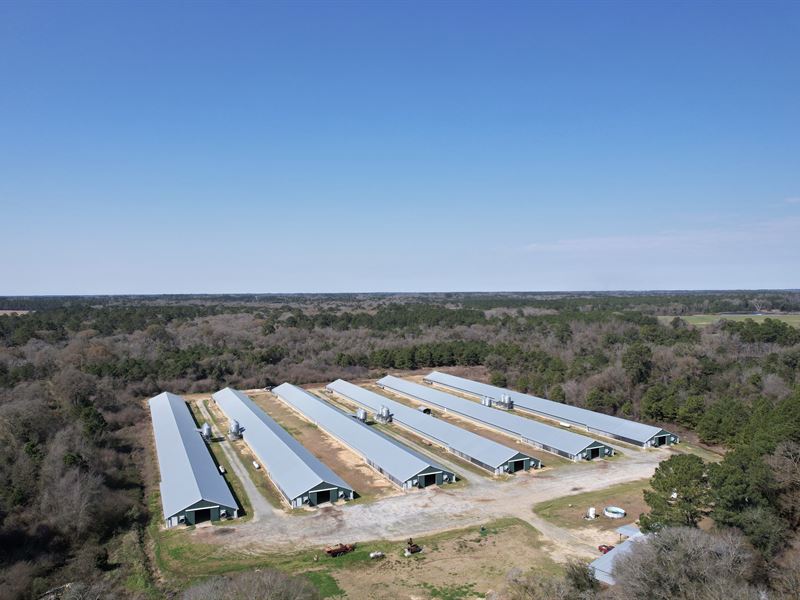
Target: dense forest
x: 74, y: 372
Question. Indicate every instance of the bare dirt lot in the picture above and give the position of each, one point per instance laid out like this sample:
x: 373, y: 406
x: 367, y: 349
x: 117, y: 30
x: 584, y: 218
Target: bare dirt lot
x: 345, y: 463
x: 462, y: 564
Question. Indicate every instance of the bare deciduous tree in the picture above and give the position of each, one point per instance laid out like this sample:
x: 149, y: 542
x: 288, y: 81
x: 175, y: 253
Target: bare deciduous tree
x: 576, y: 584
x: 253, y: 585
x: 785, y: 466
x: 70, y: 502
x: 688, y: 564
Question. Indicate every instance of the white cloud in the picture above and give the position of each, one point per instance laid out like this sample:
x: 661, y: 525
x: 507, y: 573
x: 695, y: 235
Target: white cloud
x: 731, y: 239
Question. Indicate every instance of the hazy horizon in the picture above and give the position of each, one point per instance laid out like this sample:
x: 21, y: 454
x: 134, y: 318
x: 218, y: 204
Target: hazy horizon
x: 407, y: 293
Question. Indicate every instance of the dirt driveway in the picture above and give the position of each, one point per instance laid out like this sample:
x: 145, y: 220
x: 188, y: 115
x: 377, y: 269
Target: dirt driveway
x: 435, y: 509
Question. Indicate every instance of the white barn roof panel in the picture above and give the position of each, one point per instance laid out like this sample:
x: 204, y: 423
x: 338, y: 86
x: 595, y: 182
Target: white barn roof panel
x: 293, y: 469
x: 400, y: 463
x: 188, y: 473
x: 617, y: 427
x: 465, y: 442
x: 549, y: 438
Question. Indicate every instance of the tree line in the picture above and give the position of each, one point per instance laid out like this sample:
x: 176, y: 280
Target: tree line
x: 74, y: 373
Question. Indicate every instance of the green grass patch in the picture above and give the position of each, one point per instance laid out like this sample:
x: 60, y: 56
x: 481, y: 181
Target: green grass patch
x: 704, y: 320
x: 567, y: 511
x: 185, y: 561
x: 616, y: 456
x: 704, y: 453
x: 131, y: 558
x: 452, y: 592
x: 363, y: 499
x: 261, y: 481
x: 325, y: 584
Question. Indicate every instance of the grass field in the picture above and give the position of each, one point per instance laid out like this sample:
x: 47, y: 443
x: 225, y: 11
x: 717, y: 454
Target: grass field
x: 702, y: 320
x: 704, y: 453
x: 569, y: 511
x: 458, y: 564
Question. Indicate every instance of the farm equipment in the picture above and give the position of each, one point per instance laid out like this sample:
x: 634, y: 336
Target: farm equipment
x: 605, y: 548
x: 339, y: 549
x: 411, y: 548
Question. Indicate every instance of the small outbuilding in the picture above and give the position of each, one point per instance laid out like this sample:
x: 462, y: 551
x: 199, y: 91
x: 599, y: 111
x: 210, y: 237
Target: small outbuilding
x: 603, y: 567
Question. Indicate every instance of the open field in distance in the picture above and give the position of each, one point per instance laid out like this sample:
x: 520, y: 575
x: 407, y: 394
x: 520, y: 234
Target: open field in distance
x: 702, y: 320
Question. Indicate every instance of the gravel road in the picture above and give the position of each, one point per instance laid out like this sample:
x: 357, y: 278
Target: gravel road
x: 431, y: 510
x: 262, y: 510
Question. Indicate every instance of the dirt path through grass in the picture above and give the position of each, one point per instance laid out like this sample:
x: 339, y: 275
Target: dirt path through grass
x: 435, y: 509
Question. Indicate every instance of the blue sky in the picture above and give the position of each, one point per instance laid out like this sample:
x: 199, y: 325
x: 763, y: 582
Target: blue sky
x: 151, y: 147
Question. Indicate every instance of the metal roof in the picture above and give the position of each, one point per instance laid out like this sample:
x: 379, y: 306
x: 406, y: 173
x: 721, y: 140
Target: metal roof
x: 486, y: 451
x: 566, y: 441
x: 603, y: 566
x: 400, y: 462
x: 563, y: 412
x: 188, y: 473
x: 631, y: 530
x: 290, y: 465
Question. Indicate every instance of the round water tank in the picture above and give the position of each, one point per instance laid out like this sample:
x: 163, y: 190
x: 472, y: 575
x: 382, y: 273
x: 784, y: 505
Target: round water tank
x: 614, y: 512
